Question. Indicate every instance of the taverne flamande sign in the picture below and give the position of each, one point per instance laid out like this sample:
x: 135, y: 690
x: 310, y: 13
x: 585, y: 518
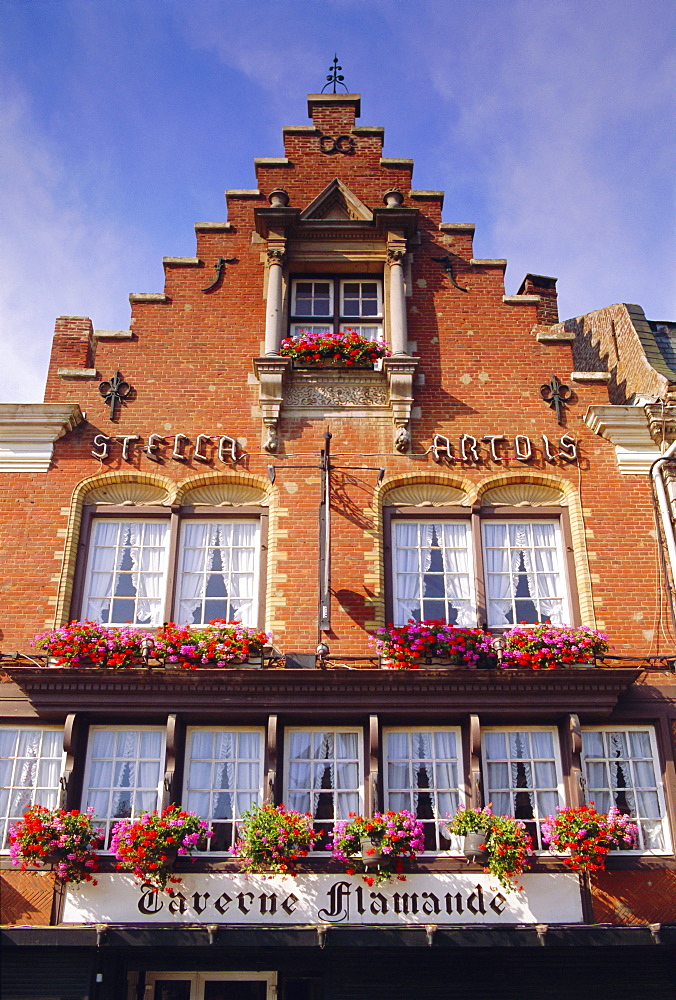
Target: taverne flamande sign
x: 331, y: 899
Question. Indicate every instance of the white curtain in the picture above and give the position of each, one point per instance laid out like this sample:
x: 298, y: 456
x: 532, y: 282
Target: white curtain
x: 312, y: 757
x: 413, y: 542
x: 145, y: 543
x: 422, y: 762
x: 513, y: 549
x: 454, y: 538
x: 148, y: 572
x: 106, y: 559
x: 235, y: 542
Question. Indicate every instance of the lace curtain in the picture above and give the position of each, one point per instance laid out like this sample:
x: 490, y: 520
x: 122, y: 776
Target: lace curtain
x: 422, y: 763
x: 321, y: 762
x: 414, y: 546
x: 127, y: 562
x: 522, y: 561
x: 218, y: 561
x: 223, y: 773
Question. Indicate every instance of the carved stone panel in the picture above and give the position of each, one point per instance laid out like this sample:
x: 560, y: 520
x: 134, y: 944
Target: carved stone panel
x: 333, y: 388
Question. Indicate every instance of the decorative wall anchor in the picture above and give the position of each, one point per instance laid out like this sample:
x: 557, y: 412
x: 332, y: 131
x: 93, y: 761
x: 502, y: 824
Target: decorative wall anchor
x: 448, y: 268
x: 114, y: 391
x: 219, y: 267
x: 336, y: 144
x: 556, y: 395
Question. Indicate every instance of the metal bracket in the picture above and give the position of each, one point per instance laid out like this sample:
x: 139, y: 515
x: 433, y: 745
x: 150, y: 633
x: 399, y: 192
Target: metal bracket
x: 446, y: 262
x: 219, y: 267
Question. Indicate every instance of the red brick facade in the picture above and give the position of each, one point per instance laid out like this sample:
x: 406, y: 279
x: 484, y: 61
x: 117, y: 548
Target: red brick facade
x: 483, y: 357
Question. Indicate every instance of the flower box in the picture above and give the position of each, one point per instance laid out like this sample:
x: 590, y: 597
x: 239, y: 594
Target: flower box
x: 432, y: 644
x: 272, y: 839
x: 150, y: 846
x: 377, y: 845
x: 504, y: 838
x: 345, y: 349
x: 333, y: 363
x: 548, y: 646
x: 62, y: 841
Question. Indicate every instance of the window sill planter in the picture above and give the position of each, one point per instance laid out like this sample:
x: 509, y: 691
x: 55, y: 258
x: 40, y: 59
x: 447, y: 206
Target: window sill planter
x: 474, y: 848
x: 371, y: 855
x: 335, y: 363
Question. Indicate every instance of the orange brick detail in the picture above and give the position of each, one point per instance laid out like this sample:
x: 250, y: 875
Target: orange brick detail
x: 26, y: 897
x: 647, y: 897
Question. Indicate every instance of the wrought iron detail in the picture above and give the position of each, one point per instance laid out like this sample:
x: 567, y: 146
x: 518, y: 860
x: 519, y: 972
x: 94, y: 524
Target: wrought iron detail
x: 556, y: 395
x: 336, y: 144
x: 448, y: 268
x: 114, y: 391
x: 219, y: 268
x: 334, y: 76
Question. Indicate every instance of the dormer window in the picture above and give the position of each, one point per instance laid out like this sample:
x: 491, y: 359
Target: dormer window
x: 328, y: 305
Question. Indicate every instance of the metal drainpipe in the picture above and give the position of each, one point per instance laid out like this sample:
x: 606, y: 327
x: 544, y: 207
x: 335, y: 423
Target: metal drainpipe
x: 663, y: 504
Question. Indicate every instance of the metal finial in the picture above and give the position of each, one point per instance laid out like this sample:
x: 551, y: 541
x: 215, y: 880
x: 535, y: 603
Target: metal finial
x: 334, y: 76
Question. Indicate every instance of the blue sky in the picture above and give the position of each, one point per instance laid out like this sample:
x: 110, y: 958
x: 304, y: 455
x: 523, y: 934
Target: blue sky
x: 546, y: 122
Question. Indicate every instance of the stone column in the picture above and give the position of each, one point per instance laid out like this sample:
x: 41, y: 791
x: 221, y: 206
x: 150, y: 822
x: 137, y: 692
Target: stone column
x: 398, y: 335
x: 273, y: 316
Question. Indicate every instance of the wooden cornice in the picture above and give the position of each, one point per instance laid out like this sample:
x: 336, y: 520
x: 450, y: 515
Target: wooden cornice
x: 248, y: 694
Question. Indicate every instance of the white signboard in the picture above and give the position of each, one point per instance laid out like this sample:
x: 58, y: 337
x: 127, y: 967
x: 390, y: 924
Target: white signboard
x: 327, y: 899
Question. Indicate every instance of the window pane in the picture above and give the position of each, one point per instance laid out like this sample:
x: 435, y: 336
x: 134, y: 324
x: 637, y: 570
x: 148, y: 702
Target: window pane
x: 423, y: 762
x: 218, y: 571
x: 361, y: 298
x: 313, y: 298
x: 524, y: 574
x: 522, y: 776
x: 324, y: 775
x: 124, y: 767
x: 213, y: 765
x: 126, y: 572
x: 433, y: 572
x: 31, y: 768
x: 616, y: 778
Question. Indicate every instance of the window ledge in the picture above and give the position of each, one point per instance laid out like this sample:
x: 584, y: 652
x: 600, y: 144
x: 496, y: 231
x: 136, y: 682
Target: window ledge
x: 319, y: 392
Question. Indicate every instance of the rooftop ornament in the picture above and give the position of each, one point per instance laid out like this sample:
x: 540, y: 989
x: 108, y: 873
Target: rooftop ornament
x: 334, y: 76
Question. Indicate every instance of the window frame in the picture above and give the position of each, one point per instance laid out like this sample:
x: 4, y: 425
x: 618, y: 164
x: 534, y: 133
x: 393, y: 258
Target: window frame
x: 337, y: 320
x: 187, y: 758
x: 175, y: 516
x: 6, y: 819
x: 360, y: 731
x: 477, y: 515
x: 560, y: 789
x: 107, y: 822
x: 198, y: 980
x: 660, y: 788
x: 433, y: 728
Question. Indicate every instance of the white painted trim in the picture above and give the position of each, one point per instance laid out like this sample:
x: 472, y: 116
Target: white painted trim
x: 627, y: 428
x: 28, y: 432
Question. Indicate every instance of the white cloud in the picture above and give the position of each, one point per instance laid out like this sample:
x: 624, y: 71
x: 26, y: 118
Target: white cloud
x: 564, y: 106
x: 58, y: 256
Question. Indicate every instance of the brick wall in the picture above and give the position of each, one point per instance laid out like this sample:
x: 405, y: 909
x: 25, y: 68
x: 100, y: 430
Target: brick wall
x: 189, y: 361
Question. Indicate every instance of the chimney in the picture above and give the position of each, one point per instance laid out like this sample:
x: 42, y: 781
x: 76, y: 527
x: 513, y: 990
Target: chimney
x: 334, y: 114
x: 73, y: 348
x: 538, y: 284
